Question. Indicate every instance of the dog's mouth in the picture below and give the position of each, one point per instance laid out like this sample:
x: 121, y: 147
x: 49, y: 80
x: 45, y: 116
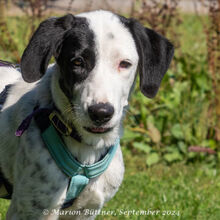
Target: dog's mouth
x: 97, y: 130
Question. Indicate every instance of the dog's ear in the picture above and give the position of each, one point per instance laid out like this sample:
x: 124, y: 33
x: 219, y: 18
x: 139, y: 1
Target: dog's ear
x: 43, y: 45
x: 155, y: 54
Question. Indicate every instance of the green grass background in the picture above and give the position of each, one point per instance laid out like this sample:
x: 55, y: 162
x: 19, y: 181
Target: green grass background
x: 192, y: 190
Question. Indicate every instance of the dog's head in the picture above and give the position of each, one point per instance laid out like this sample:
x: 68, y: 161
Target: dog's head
x: 98, y: 54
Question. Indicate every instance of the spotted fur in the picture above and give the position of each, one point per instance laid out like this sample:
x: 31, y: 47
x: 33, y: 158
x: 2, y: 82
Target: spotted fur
x: 97, y: 56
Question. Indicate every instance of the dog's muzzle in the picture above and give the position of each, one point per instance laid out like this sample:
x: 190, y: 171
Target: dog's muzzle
x: 101, y: 113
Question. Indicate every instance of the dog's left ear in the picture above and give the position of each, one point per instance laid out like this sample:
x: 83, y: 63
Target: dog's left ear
x: 43, y: 45
x: 155, y: 54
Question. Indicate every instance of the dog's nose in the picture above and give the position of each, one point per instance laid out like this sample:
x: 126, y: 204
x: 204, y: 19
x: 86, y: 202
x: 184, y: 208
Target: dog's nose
x: 101, y: 113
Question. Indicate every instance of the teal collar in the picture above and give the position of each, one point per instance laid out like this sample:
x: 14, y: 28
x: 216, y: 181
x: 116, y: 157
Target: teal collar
x: 79, y: 173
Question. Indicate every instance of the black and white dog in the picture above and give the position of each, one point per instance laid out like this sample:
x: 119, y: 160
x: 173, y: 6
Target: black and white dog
x: 97, y: 56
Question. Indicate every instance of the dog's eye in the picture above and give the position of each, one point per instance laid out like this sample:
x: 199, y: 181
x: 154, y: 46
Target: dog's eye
x: 124, y: 64
x: 78, y: 61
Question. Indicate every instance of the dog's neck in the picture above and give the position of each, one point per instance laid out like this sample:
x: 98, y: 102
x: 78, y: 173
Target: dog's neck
x: 83, y: 153
x: 86, y: 151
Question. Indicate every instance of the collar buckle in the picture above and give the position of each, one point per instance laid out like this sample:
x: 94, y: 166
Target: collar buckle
x: 60, y: 124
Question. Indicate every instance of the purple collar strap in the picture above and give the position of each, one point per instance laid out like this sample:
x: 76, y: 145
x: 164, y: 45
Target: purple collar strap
x: 8, y: 64
x: 26, y: 122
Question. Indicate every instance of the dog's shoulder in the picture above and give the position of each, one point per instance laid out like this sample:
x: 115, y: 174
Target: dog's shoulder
x: 8, y: 75
x: 24, y: 94
x: 16, y: 91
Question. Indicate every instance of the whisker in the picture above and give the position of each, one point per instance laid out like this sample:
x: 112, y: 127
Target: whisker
x: 128, y: 112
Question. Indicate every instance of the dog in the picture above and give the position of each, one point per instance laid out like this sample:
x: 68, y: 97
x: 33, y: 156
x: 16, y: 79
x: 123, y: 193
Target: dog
x: 98, y: 55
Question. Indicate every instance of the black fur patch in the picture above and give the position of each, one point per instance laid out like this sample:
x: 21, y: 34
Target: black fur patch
x: 4, y: 94
x: 44, y: 179
x: 37, y: 205
x: 67, y: 38
x: 78, y: 43
x: 155, y: 54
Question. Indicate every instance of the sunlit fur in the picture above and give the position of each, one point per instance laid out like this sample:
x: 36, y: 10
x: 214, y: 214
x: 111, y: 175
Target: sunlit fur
x: 38, y: 182
x: 106, y: 83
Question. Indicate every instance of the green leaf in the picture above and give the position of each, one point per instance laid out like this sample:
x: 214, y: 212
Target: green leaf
x: 182, y: 146
x: 173, y: 157
x: 187, y: 131
x: 130, y: 135
x: 218, y: 155
x: 152, y: 159
x: 143, y: 112
x: 142, y: 147
x: 192, y: 155
x: 209, y: 143
x: 177, y: 132
x: 150, y: 119
x: 202, y: 82
x: 171, y: 149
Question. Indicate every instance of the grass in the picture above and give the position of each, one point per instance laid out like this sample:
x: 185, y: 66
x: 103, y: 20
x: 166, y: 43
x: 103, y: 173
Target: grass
x: 3, y: 208
x: 187, y: 191
x: 192, y: 191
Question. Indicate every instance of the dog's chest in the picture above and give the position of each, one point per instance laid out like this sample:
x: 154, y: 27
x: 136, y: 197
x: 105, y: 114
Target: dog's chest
x: 107, y: 183
x: 53, y: 183
x: 103, y: 188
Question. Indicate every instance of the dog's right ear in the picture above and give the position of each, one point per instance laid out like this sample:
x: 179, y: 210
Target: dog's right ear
x: 43, y: 45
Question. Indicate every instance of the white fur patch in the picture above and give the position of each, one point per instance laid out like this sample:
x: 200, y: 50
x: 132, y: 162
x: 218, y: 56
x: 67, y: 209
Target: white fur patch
x: 107, y: 83
x: 8, y: 75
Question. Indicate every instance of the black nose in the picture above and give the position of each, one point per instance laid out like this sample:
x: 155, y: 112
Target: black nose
x: 101, y: 113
